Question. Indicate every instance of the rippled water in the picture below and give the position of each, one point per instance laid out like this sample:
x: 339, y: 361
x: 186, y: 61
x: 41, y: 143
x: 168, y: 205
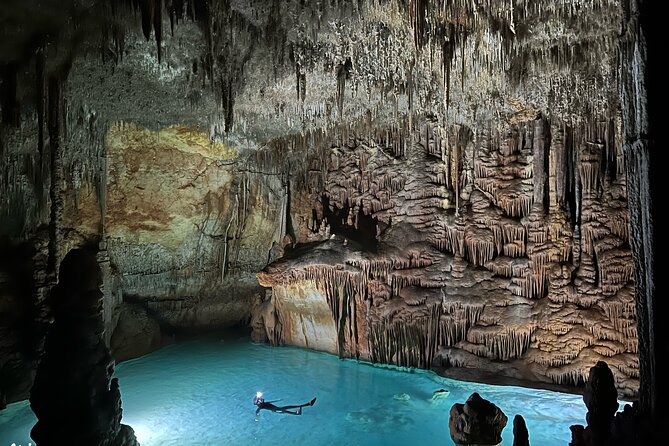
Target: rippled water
x: 200, y: 393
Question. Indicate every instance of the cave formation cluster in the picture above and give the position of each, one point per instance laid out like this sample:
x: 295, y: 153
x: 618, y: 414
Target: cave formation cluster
x: 450, y: 184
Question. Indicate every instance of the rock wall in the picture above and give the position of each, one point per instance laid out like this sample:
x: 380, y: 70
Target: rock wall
x: 641, y: 90
x: 304, y: 317
x: 502, y: 251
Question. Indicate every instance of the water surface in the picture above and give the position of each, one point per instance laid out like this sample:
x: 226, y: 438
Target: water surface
x: 200, y: 392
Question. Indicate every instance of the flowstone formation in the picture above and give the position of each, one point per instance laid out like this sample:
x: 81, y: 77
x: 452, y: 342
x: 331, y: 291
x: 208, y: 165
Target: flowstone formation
x: 486, y: 251
x: 74, y: 396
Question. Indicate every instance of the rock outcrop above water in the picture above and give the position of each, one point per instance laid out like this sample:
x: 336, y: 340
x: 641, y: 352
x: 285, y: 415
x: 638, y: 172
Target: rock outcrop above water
x: 476, y: 422
x: 521, y: 437
x: 605, y: 424
x: 74, y: 396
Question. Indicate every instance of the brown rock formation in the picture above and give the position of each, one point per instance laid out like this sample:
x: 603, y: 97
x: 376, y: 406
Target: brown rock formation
x: 520, y: 435
x: 433, y: 272
x: 606, y: 426
x: 74, y: 397
x: 136, y: 333
x: 477, y: 421
x: 178, y: 223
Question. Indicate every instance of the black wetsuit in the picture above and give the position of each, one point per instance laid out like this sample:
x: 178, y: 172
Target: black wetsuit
x: 262, y: 404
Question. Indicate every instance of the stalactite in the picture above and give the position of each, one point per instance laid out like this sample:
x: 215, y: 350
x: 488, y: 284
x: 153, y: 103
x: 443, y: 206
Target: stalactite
x: 568, y: 376
x: 447, y: 33
x: 514, y: 249
x: 41, y: 108
x: 11, y: 113
x: 158, y: 26
x: 343, y: 72
x: 456, y: 177
x: 589, y: 172
x: 55, y: 127
x: 631, y: 371
x: 514, y: 205
x: 175, y: 9
x: 613, y: 264
x: 455, y: 321
x: 621, y: 315
x: 409, y: 343
x: 541, y: 147
x: 224, y: 260
x: 301, y: 80
x: 480, y: 247
x: 502, y: 343
x: 529, y: 280
x: 147, y: 8
x: 343, y: 290
x: 557, y: 359
x: 521, y: 223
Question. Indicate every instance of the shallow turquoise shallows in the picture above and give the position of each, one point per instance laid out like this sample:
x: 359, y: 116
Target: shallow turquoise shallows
x: 201, y: 393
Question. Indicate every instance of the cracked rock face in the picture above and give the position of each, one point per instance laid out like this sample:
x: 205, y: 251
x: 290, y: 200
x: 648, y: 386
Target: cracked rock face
x: 443, y: 182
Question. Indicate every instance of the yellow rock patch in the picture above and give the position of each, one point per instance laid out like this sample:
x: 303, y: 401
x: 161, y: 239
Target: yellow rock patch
x: 163, y: 185
x: 187, y: 139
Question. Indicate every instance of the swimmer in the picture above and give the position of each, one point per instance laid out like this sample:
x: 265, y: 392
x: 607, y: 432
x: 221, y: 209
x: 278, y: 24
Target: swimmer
x: 259, y: 401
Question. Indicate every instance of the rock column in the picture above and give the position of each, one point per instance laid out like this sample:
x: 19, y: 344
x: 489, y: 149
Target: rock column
x: 74, y: 397
x: 601, y: 398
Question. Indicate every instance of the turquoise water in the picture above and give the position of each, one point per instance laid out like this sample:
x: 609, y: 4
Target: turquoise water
x: 200, y: 393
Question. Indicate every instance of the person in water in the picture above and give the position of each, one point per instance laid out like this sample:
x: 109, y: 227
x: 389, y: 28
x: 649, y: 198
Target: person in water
x: 259, y: 401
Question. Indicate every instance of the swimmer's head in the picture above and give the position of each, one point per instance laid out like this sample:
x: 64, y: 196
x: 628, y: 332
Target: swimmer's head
x: 258, y: 398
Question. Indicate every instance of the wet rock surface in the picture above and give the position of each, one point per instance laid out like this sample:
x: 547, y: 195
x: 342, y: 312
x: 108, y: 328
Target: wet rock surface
x: 477, y: 421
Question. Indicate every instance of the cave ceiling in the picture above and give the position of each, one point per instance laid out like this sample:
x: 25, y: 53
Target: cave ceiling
x: 251, y: 72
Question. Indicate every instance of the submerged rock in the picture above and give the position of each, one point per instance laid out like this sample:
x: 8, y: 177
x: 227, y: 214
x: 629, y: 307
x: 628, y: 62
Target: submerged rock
x: 440, y: 394
x: 401, y: 397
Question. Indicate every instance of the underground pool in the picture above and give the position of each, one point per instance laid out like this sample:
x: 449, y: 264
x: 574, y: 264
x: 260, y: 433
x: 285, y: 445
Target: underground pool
x: 200, y: 392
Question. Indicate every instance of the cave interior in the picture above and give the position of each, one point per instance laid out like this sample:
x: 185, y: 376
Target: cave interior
x: 466, y: 186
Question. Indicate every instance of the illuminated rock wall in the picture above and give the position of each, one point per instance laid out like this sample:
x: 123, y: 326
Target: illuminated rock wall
x: 502, y: 251
x: 305, y: 317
